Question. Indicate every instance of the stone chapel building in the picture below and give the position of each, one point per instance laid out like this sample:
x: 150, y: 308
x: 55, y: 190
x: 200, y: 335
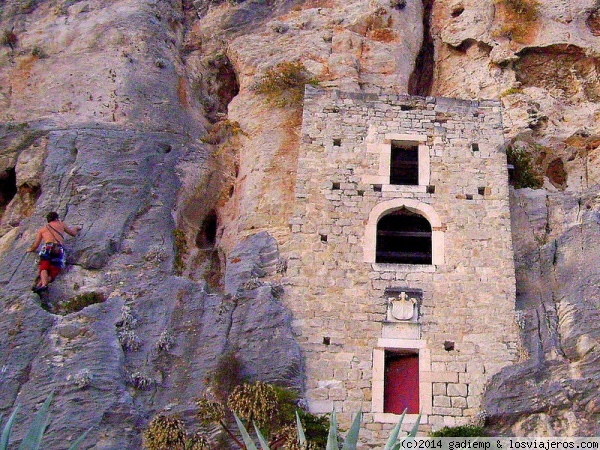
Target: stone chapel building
x: 401, y: 262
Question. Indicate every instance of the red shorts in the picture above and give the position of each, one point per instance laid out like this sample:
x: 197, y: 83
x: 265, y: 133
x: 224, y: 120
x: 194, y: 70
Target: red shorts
x: 53, y: 270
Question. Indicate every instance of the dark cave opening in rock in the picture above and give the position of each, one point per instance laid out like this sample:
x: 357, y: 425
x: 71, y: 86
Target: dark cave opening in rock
x: 8, y: 187
x: 224, y: 86
x: 207, y: 234
x: 421, y: 79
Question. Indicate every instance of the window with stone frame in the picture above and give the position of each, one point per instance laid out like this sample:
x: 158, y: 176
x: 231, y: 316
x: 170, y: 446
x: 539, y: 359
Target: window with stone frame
x: 403, y: 237
x: 404, y: 163
x: 401, y: 382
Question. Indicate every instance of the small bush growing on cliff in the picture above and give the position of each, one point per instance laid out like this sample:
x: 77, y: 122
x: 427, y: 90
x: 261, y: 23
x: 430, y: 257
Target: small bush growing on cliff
x: 181, y: 251
x: 78, y: 302
x: 165, y: 433
x: 255, y: 402
x: 398, y: 4
x: 524, y: 175
x: 275, y: 408
x: 221, y: 131
x: 38, y: 52
x: 511, y: 91
x: 28, y: 6
x: 525, y: 9
x: 283, y: 85
x: 520, y: 16
x: 9, y: 39
x: 460, y: 431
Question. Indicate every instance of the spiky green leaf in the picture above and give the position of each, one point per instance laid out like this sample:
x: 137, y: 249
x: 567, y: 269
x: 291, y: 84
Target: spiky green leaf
x: 391, y: 442
x: 263, y: 442
x: 352, y: 437
x: 415, y: 427
x: 7, y: 429
x: 79, y: 440
x: 245, y: 436
x: 410, y: 436
x: 33, y: 438
x: 332, y: 442
x: 301, y: 435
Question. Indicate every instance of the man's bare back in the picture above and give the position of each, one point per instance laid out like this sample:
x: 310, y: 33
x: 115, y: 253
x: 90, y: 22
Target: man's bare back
x: 51, y: 261
x: 53, y: 232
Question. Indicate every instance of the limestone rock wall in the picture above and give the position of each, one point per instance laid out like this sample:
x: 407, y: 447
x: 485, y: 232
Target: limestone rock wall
x: 100, y: 123
x: 542, y: 63
x: 133, y: 118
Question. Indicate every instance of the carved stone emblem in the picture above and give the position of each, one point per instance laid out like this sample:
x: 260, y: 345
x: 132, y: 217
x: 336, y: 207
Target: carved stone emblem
x: 401, y: 308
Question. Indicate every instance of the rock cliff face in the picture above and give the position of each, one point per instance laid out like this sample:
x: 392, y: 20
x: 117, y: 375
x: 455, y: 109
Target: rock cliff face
x: 138, y: 118
x: 541, y: 59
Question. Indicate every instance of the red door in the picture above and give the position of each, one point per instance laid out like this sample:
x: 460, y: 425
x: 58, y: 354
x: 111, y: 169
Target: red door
x: 401, y: 383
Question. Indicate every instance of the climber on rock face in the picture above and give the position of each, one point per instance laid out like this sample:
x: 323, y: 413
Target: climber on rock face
x: 52, y: 254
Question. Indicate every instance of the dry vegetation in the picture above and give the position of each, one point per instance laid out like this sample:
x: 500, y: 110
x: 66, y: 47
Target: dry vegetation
x: 283, y: 85
x: 518, y: 19
x: 383, y: 35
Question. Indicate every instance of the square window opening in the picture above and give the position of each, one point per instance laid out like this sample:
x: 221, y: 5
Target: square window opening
x: 404, y: 167
x: 337, y: 142
x: 401, y: 382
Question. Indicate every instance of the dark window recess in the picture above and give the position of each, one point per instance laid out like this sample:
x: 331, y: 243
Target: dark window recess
x: 430, y: 189
x: 404, y: 168
x: 326, y: 340
x: 377, y: 187
x: 481, y: 190
x: 401, y: 383
x: 337, y: 142
x: 360, y: 193
x: 475, y: 147
x: 323, y: 237
x: 469, y: 196
x: 403, y: 237
x: 335, y: 186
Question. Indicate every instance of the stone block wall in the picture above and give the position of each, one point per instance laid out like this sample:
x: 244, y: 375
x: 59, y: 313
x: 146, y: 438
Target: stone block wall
x: 465, y: 330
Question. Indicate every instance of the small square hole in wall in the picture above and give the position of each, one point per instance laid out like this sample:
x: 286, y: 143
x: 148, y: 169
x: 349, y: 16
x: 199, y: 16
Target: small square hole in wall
x: 481, y: 190
x: 430, y: 189
x: 377, y: 187
x: 323, y: 237
x: 406, y: 108
x: 337, y: 142
x: 360, y: 193
x: 326, y: 340
x: 469, y: 196
x: 474, y: 147
x: 335, y: 186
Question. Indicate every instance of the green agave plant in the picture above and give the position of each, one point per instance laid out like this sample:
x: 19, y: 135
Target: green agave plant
x: 33, y: 438
x: 350, y: 443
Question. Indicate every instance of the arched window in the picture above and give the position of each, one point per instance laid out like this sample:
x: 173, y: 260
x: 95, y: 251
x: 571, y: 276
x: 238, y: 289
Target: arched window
x: 403, y: 237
